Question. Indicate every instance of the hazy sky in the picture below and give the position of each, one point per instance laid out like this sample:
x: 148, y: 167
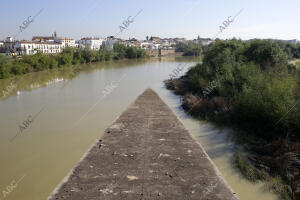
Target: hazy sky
x: 277, y: 19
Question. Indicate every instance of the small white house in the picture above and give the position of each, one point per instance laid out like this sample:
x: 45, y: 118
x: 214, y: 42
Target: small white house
x: 110, y: 41
x: 65, y: 42
x: 91, y: 43
x: 146, y: 44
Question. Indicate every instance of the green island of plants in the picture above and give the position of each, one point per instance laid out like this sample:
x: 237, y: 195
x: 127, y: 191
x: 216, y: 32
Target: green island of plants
x: 256, y: 92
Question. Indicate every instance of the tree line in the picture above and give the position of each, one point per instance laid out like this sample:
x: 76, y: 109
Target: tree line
x: 69, y: 56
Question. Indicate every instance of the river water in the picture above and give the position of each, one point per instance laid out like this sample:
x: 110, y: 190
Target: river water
x: 49, y: 120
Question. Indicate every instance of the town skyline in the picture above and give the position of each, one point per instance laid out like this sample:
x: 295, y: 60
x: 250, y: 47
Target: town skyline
x: 140, y: 39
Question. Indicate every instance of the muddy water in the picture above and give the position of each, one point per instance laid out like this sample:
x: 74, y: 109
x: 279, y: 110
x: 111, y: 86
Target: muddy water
x: 49, y: 119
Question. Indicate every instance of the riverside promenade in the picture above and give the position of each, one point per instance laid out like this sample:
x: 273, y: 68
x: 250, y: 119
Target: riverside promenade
x: 146, y: 154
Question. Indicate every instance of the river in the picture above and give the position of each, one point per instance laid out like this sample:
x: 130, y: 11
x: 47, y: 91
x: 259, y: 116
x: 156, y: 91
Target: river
x: 66, y: 111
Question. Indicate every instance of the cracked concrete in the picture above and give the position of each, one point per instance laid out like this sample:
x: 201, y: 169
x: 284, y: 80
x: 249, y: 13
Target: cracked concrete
x: 146, y: 154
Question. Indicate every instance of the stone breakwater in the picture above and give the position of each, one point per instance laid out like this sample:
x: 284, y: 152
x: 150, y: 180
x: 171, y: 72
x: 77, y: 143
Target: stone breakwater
x: 145, y: 154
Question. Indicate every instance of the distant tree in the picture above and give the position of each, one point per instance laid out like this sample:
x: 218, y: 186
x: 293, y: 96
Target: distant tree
x: 180, y: 47
x: 120, y: 50
x: 189, y: 49
x: 266, y: 54
x: 141, y: 53
x: 131, y: 52
x: 88, y: 55
x: 4, y: 67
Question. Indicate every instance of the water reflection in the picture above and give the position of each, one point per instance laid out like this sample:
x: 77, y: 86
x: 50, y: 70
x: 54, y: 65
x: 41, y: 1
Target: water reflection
x: 32, y: 81
x: 16, y: 85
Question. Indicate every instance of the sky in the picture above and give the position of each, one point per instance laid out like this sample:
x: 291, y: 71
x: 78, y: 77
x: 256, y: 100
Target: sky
x: 75, y: 19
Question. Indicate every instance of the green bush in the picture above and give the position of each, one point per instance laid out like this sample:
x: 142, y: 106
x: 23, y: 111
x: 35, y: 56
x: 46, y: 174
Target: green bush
x: 266, y: 54
x: 257, y: 80
x: 88, y: 55
x: 189, y: 49
x: 131, y: 52
x: 120, y: 50
x: 262, y: 103
x: 4, y: 67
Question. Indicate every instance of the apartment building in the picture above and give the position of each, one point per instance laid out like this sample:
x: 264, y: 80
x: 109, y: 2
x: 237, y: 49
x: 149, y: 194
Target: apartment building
x: 110, y: 41
x: 32, y: 47
x: 65, y: 42
x: 91, y: 43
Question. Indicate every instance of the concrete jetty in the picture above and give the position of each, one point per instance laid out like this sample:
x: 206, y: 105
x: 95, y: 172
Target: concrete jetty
x: 146, y: 154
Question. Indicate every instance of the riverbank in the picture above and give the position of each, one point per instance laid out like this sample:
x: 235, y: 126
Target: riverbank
x: 69, y: 56
x: 255, y: 97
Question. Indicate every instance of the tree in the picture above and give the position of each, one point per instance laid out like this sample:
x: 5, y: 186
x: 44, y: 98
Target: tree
x: 88, y: 55
x: 120, y: 50
x: 4, y: 67
x: 266, y: 54
x: 131, y: 52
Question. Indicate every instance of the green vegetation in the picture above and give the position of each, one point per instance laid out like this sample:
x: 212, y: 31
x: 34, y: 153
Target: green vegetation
x: 297, y: 63
x: 256, y: 91
x: 31, y: 63
x: 253, y: 174
x: 292, y: 50
x: 278, y: 185
x: 189, y: 49
x: 254, y: 81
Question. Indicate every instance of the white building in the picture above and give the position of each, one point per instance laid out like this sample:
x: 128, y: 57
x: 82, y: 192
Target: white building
x: 65, y: 42
x: 110, y: 41
x: 149, y: 44
x: 32, y: 47
x: 91, y: 43
x: 131, y: 42
x: 203, y: 41
x: 1, y: 44
x: 206, y: 42
x: 146, y: 44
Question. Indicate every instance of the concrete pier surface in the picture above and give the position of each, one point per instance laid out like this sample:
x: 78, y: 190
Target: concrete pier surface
x: 146, y: 154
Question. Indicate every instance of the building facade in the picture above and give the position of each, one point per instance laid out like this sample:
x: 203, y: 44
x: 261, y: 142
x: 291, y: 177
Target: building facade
x: 91, y: 43
x: 65, y: 42
x: 110, y: 41
x: 31, y: 47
